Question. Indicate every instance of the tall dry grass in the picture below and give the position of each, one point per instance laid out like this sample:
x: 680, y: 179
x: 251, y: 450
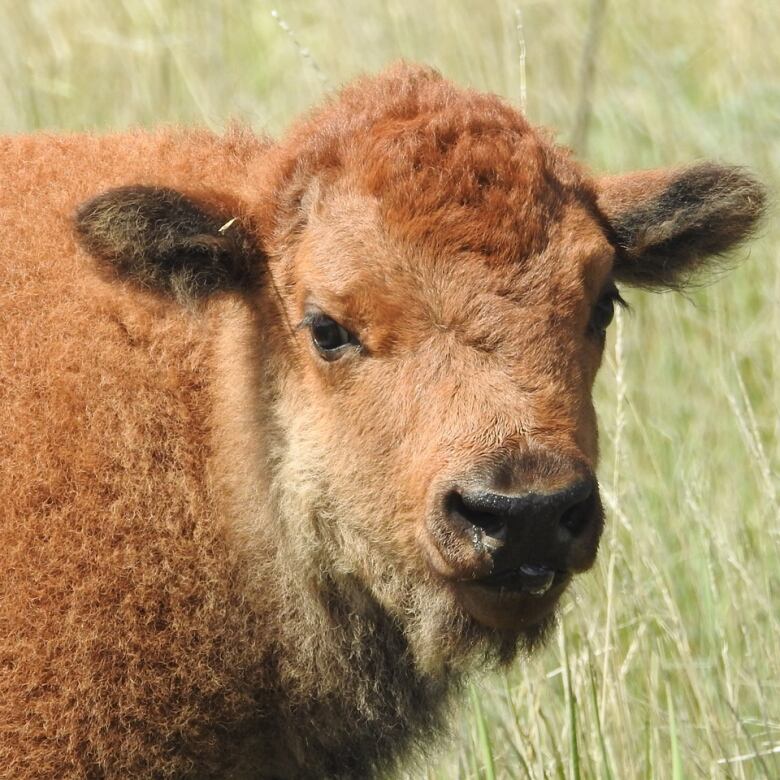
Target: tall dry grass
x: 668, y: 660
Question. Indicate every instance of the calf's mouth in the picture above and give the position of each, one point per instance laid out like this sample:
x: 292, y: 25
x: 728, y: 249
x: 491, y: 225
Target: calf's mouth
x: 508, y: 556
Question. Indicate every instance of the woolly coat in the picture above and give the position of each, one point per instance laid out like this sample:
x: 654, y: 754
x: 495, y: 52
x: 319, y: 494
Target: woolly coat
x: 125, y: 644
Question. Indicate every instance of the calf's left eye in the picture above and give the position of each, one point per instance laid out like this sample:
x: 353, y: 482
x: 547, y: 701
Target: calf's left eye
x: 604, y: 311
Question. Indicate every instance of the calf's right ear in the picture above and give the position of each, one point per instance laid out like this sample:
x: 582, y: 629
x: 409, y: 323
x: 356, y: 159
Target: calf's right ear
x: 166, y: 242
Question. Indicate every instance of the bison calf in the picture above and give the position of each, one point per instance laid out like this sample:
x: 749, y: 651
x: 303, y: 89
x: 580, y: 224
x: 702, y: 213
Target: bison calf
x: 295, y: 434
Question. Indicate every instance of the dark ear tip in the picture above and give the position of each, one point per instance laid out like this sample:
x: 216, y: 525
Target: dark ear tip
x: 736, y: 184
x: 755, y: 194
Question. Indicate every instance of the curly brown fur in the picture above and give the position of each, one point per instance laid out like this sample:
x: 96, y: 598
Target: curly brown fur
x: 126, y: 646
x: 216, y: 547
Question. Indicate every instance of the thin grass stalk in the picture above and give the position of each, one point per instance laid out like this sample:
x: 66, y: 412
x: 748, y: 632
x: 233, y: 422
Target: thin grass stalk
x: 521, y: 58
x: 483, y: 737
x: 303, y: 51
x: 605, y: 762
x: 677, y: 766
x: 579, y: 136
x: 571, y: 708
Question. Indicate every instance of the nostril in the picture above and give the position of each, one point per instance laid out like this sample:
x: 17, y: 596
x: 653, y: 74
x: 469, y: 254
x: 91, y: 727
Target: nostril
x: 497, y: 520
x: 576, y: 518
x: 493, y: 524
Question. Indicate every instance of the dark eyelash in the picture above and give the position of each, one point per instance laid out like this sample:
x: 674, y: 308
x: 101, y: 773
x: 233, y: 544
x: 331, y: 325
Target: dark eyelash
x: 614, y: 294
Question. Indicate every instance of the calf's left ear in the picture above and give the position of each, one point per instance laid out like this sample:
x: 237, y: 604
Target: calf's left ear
x: 667, y: 224
x: 167, y: 242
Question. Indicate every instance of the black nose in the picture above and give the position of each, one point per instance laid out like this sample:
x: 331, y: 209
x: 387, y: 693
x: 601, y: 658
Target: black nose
x: 494, y: 511
x: 537, y: 528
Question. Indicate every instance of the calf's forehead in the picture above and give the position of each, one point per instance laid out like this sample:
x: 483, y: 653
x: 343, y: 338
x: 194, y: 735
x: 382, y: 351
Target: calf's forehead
x: 413, y: 177
x: 354, y: 263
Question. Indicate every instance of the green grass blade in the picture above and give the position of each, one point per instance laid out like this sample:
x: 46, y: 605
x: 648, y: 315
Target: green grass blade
x: 677, y: 767
x: 605, y: 762
x: 484, y: 738
x: 571, y: 709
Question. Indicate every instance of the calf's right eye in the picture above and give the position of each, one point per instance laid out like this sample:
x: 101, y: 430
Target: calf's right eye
x: 329, y: 338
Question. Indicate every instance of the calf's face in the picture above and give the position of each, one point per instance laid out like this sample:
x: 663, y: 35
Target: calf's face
x: 447, y: 400
x: 438, y: 279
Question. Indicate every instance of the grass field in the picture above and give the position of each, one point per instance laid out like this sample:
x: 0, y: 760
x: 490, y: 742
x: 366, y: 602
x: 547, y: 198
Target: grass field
x: 668, y: 660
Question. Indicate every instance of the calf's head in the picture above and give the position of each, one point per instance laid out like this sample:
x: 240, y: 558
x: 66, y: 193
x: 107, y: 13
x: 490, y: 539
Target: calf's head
x: 432, y: 279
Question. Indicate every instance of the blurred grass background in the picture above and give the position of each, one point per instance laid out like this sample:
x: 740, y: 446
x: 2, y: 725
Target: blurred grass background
x: 668, y: 660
